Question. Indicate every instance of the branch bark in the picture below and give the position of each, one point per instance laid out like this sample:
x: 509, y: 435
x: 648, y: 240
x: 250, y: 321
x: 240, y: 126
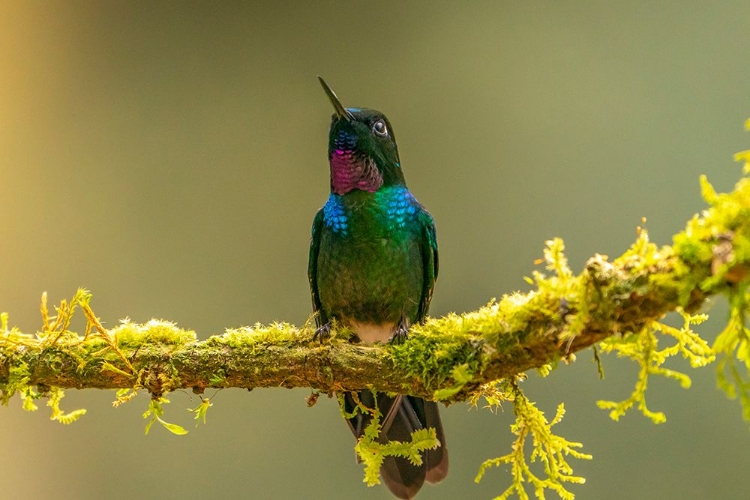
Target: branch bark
x: 456, y: 354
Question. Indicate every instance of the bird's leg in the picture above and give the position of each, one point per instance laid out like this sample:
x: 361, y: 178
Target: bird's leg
x: 322, y: 333
x: 401, y: 333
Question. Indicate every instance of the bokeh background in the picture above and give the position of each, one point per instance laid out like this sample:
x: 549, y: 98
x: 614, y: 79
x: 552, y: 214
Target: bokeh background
x: 170, y: 157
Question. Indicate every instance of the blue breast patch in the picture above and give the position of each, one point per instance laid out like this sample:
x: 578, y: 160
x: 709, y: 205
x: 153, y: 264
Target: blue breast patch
x: 334, y: 215
x: 396, y: 209
x: 400, y: 206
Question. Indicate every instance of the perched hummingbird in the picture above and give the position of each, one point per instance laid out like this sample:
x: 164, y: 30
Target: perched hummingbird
x: 373, y: 265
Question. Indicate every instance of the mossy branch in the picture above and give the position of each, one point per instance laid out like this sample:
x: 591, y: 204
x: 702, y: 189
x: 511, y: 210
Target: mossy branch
x: 475, y: 355
x: 449, y: 358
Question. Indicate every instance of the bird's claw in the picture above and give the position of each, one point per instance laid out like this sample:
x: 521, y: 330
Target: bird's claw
x: 323, y: 333
x: 400, y: 334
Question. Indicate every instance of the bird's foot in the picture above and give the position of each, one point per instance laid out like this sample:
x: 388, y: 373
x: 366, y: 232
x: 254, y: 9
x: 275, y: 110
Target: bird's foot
x: 323, y: 333
x: 400, y: 334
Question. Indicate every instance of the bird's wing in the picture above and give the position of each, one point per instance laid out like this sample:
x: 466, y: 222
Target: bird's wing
x: 312, y: 267
x: 429, y: 262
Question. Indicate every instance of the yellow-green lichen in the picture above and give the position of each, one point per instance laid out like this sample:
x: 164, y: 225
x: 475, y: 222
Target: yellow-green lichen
x: 643, y: 347
x: 733, y: 347
x: 55, y: 395
x: 546, y: 447
x: 201, y: 410
x: 124, y: 395
x: 494, y: 394
x: 372, y: 452
x: 156, y: 411
x: 720, y: 235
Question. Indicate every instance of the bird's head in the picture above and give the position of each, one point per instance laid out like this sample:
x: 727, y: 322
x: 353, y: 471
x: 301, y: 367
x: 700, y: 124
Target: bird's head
x: 361, y: 149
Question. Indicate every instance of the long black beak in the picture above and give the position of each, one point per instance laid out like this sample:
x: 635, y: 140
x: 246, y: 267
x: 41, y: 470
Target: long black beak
x: 341, y: 111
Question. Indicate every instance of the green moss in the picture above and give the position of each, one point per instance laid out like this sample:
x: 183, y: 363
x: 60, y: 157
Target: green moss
x: 461, y: 376
x: 218, y: 378
x: 257, y: 335
x: 18, y: 381
x: 155, y: 331
x: 433, y: 356
x: 19, y: 375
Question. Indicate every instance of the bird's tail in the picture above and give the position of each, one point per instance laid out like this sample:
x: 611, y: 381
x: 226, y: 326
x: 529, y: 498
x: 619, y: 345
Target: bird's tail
x: 402, y: 415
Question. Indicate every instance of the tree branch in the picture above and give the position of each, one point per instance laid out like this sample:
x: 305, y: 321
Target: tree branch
x: 454, y: 355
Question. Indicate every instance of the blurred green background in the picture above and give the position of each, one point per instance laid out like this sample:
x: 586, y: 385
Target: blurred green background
x: 170, y: 158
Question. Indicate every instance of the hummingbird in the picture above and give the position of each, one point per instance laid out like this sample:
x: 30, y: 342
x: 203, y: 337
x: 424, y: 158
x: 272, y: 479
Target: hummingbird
x: 373, y: 265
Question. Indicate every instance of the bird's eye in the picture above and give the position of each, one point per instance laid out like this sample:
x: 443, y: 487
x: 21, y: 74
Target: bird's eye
x: 380, y: 129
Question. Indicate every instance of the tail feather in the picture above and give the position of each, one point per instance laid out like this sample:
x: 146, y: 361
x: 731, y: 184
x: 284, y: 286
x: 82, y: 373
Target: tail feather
x: 437, y: 459
x: 402, y: 415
